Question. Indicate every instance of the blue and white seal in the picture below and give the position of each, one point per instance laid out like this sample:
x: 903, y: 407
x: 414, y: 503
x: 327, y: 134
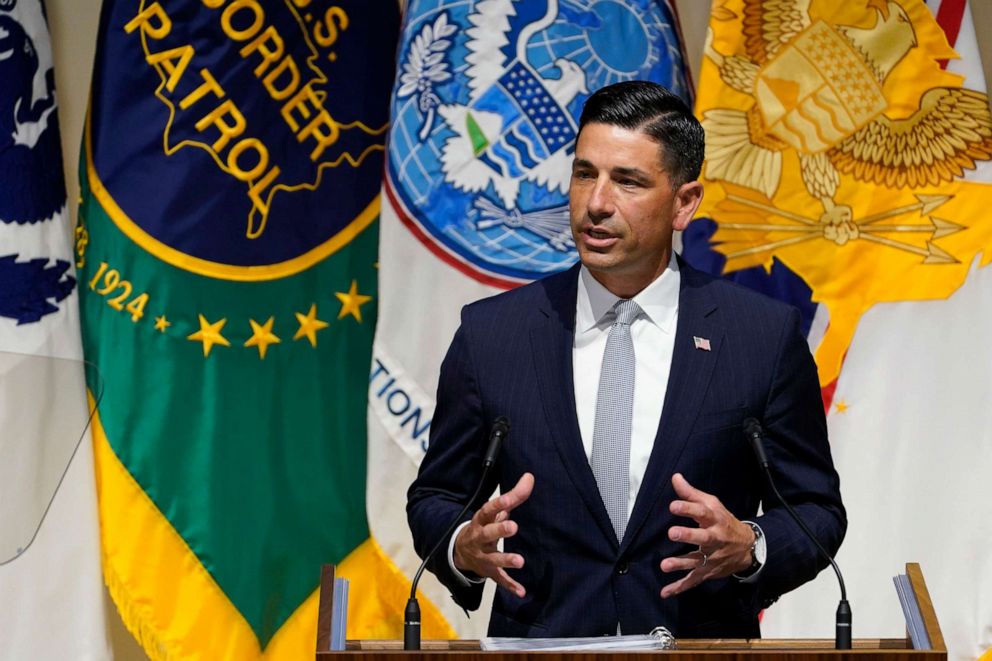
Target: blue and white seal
x: 35, y: 271
x: 485, y: 117
x: 33, y: 188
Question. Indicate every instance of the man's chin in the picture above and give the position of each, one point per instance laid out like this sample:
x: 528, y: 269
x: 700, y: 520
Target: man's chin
x: 598, y: 260
x: 593, y: 261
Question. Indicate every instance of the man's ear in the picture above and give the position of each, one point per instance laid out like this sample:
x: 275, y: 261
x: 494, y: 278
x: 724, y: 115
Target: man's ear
x: 687, y: 199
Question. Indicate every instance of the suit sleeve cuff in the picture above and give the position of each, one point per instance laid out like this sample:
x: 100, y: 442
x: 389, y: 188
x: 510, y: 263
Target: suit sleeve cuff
x: 460, y: 577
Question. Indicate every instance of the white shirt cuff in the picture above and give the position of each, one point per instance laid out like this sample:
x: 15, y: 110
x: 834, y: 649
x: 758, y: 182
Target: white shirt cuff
x: 462, y: 578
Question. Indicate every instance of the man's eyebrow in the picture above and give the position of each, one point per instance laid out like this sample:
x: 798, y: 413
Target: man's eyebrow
x: 630, y: 172
x: 619, y: 171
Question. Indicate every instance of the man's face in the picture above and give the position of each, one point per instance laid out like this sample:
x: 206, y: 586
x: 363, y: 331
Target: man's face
x: 623, y: 208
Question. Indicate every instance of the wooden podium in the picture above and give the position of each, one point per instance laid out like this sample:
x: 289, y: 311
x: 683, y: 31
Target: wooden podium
x: 865, y: 649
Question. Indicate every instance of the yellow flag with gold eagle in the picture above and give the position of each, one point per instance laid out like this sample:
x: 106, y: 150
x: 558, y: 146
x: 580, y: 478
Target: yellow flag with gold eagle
x: 848, y: 172
x: 836, y: 145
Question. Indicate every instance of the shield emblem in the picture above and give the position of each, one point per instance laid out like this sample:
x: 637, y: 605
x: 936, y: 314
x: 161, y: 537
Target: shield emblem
x: 817, y: 91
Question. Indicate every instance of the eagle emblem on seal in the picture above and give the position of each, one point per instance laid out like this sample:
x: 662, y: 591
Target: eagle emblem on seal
x: 516, y: 125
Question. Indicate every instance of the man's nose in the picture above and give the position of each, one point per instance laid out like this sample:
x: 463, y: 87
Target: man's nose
x: 601, y: 200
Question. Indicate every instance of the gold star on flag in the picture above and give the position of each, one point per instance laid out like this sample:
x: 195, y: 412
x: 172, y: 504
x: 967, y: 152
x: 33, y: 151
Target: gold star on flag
x: 262, y: 336
x: 309, y: 325
x: 352, y: 302
x: 841, y: 406
x: 161, y: 323
x: 209, y: 334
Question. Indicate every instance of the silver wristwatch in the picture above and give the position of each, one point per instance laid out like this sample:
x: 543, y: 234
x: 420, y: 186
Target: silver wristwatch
x: 759, y: 551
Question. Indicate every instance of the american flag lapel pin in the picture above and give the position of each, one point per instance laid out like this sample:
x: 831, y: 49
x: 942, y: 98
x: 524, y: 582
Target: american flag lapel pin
x: 702, y: 343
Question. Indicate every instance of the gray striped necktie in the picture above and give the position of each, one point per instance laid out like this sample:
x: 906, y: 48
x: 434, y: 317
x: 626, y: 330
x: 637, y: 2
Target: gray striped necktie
x: 614, y: 411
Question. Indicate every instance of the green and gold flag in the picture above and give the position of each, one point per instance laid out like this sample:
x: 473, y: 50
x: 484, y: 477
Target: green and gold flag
x: 227, y: 241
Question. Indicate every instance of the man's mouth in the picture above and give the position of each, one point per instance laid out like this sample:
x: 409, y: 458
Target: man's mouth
x: 595, y: 237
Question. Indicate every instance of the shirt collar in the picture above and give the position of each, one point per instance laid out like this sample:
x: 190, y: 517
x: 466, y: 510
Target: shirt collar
x: 659, y: 300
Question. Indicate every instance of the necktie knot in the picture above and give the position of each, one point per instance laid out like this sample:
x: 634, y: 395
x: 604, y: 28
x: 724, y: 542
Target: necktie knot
x: 626, y: 310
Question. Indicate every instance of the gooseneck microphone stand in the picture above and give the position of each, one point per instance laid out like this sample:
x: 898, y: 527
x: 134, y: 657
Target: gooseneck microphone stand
x: 755, y: 435
x: 411, y: 618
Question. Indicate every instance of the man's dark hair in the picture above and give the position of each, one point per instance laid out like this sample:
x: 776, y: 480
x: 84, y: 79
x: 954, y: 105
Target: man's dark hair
x: 649, y: 108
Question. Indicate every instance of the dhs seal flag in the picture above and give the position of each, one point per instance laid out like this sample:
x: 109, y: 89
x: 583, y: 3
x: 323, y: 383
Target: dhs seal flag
x: 484, y: 118
x: 227, y: 236
x: 485, y: 111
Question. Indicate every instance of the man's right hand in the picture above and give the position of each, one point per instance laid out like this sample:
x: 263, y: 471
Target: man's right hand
x: 475, y: 546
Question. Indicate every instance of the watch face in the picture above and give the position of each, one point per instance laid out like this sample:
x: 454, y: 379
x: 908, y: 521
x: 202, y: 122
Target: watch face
x: 760, y: 547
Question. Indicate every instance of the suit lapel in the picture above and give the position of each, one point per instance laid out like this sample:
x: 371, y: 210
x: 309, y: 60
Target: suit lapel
x: 552, y: 338
x: 688, y: 380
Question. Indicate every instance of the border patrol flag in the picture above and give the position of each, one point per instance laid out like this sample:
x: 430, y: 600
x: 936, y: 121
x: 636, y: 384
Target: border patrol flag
x: 230, y: 181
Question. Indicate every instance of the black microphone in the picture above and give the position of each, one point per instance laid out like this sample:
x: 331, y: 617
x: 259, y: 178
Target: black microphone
x: 752, y: 429
x: 501, y: 427
x: 411, y: 617
x: 756, y: 437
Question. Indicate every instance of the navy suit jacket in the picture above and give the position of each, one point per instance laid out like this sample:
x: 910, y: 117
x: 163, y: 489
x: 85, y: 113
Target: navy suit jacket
x: 512, y: 356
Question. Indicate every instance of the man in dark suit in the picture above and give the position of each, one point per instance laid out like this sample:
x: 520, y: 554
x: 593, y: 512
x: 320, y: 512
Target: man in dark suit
x: 629, y: 495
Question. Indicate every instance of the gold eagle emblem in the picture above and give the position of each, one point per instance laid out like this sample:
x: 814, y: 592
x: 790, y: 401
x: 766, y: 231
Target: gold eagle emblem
x: 817, y: 88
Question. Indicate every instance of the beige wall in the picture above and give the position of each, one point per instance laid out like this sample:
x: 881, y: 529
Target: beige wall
x: 693, y: 16
x: 981, y: 13
x: 73, y: 26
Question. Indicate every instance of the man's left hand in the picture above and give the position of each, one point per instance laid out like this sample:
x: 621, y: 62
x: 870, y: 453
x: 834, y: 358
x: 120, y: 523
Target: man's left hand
x: 724, y: 542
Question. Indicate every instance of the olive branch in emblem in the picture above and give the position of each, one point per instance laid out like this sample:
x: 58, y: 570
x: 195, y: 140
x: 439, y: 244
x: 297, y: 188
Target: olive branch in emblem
x: 425, y: 66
